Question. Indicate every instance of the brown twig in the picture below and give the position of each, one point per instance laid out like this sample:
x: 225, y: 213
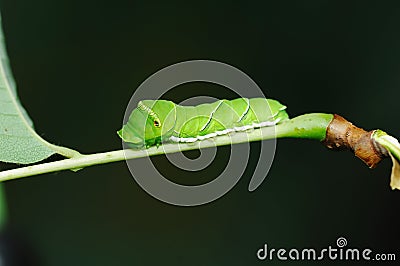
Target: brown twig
x: 341, y: 134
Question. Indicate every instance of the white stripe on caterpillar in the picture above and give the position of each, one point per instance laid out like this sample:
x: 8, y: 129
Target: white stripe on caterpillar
x: 211, y: 115
x: 245, y: 111
x: 225, y: 131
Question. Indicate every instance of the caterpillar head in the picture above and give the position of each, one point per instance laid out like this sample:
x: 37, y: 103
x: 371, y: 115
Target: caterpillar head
x: 149, y: 123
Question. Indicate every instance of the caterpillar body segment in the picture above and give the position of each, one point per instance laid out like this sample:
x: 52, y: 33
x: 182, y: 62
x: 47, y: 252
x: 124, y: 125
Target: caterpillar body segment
x: 156, y: 121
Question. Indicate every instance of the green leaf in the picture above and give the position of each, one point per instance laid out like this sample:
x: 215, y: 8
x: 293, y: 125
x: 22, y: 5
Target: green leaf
x: 19, y: 143
x: 392, y: 146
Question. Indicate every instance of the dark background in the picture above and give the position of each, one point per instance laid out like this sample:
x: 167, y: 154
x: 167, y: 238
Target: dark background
x: 77, y: 63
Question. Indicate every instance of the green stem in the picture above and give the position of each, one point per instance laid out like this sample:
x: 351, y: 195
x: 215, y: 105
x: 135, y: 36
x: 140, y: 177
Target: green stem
x: 309, y: 126
x: 64, y: 151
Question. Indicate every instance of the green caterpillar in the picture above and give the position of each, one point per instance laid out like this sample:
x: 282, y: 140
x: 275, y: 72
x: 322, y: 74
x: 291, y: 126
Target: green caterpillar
x: 156, y: 121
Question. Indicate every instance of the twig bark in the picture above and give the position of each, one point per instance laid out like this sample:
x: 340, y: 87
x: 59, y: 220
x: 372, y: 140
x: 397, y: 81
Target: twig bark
x: 341, y: 134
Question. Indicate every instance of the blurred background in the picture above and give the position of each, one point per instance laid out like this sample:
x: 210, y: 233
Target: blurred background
x: 77, y: 63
